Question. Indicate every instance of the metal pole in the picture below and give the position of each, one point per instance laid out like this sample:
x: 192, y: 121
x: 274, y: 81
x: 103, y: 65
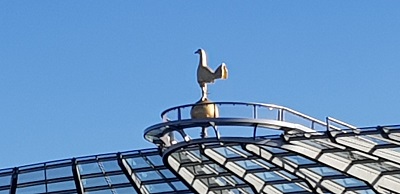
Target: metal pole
x: 179, y: 114
x: 254, y: 112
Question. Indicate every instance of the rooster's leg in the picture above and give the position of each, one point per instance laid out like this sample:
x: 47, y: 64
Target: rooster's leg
x: 204, y: 92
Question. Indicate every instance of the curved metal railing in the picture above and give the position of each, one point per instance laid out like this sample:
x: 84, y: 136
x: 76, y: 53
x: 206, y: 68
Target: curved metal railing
x: 257, y: 111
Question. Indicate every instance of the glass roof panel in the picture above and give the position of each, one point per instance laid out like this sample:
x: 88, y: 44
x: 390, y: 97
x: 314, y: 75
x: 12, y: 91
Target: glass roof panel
x: 156, y: 160
x: 188, y: 156
x: 349, y: 182
x: 5, y: 191
x: 317, y: 143
x: 236, y: 190
x: 59, y: 172
x: 61, y: 186
x: 94, y: 182
x: 227, y: 153
x: 289, y: 187
x: 125, y: 190
x: 367, y: 191
x: 325, y: 171
x: 5, y: 180
x: 89, y: 168
x: 179, y: 186
x: 239, y: 149
x: 218, y: 181
x: 201, y: 169
x: 148, y: 175
x: 197, y: 153
x: 159, y: 187
x: 254, y: 164
x: 299, y: 160
x: 274, y: 149
x: 117, y: 179
x: 30, y: 176
x: 167, y: 173
x: 31, y: 189
x: 103, y: 191
x: 270, y: 176
x: 137, y: 162
x: 109, y: 166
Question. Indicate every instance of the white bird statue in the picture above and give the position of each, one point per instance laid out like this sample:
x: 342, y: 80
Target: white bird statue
x: 206, y: 75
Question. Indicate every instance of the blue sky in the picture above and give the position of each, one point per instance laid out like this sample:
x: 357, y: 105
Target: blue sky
x: 87, y: 77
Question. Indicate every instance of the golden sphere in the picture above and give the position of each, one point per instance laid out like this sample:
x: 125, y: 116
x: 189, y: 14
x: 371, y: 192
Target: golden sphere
x: 203, y: 110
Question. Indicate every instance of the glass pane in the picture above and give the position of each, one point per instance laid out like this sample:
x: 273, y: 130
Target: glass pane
x: 274, y: 150
x: 299, y: 160
x: 31, y: 189
x: 31, y: 176
x: 89, y: 168
x: 248, y: 164
x: 216, y: 181
x: 59, y: 172
x: 189, y: 156
x: 104, y: 191
x: 91, y: 182
x: 349, y: 182
x: 288, y: 187
x: 126, y: 190
x: 254, y: 164
x: 367, y: 191
x: 269, y: 176
x: 138, y: 162
x: 148, y: 175
x: 205, y: 169
x: 227, y: 153
x: 117, y: 179
x: 240, y: 149
x: 179, y: 186
x: 317, y: 144
x: 157, y: 188
x: 109, y: 166
x: 5, y: 180
x: 61, y: 186
x: 156, y: 160
x: 167, y: 173
x: 197, y: 154
x: 325, y: 171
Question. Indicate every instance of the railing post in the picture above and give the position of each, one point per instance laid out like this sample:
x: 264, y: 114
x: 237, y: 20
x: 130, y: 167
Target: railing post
x: 254, y: 111
x: 280, y: 114
x: 327, y: 124
x: 179, y: 114
x: 255, y: 131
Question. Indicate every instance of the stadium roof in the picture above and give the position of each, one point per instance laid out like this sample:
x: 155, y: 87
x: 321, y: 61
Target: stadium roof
x: 241, y: 148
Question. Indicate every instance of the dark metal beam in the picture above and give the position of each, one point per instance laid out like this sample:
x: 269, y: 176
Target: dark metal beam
x: 127, y: 171
x: 77, y: 177
x: 14, y: 181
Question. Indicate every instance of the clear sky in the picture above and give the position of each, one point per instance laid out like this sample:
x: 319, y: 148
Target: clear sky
x: 87, y: 77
